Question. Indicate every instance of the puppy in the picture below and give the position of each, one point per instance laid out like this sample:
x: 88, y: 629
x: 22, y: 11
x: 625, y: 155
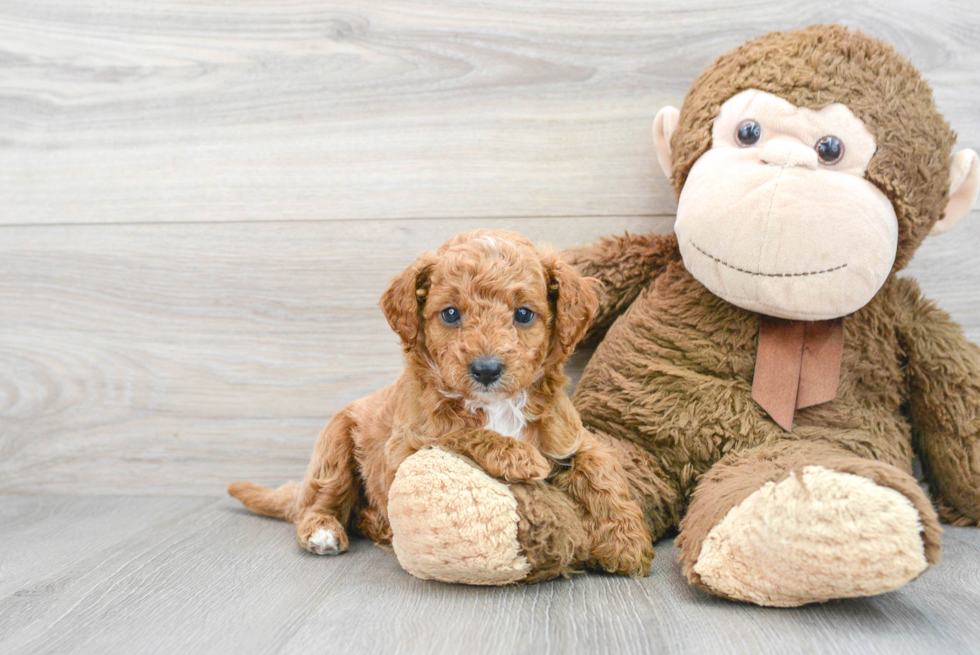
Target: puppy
x: 486, y: 324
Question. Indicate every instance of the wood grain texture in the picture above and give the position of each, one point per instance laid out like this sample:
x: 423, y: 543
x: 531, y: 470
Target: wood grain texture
x: 176, y: 358
x: 200, y: 204
x: 173, y: 575
x: 172, y: 359
x: 126, y: 111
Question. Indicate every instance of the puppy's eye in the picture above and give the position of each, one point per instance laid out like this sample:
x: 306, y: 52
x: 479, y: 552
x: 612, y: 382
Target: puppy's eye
x: 524, y: 316
x: 450, y: 315
x: 830, y: 150
x: 748, y: 133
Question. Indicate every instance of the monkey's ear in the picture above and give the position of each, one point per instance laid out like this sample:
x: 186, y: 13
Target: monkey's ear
x: 663, y: 128
x: 964, y: 183
x: 575, y: 305
x: 402, y: 301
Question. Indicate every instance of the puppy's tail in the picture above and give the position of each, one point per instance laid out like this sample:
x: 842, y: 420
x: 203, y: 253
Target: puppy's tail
x: 278, y: 503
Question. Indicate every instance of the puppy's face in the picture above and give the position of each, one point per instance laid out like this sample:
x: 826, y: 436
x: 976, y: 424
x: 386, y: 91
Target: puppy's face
x: 491, y: 313
x: 486, y: 318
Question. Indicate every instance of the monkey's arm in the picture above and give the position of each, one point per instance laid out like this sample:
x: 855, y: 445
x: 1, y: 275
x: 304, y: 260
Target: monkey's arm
x: 944, y: 379
x: 624, y: 266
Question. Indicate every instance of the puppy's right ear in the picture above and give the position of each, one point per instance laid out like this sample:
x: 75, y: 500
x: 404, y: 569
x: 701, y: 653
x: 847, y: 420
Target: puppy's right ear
x: 402, y: 301
x: 575, y: 304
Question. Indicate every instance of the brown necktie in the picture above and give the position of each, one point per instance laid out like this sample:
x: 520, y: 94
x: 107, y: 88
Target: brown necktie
x: 797, y: 365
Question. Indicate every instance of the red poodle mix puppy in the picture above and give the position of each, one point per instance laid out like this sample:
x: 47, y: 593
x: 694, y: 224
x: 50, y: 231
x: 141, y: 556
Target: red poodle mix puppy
x: 486, y: 324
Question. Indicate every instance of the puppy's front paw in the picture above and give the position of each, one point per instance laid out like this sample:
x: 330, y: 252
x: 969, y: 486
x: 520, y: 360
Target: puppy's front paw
x: 623, y: 547
x: 514, y: 461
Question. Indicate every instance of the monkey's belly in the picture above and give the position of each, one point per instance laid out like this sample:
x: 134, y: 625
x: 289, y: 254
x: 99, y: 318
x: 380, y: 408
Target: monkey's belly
x: 674, y: 374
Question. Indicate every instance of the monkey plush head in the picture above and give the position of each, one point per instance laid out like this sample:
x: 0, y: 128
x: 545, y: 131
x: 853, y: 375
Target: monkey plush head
x: 808, y: 167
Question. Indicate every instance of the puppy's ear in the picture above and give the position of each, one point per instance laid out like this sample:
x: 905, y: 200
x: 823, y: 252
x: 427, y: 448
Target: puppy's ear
x: 575, y: 304
x: 404, y: 298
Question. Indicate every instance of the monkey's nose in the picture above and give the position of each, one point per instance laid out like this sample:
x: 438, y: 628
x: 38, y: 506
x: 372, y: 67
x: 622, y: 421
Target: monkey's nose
x: 778, y: 152
x: 487, y: 370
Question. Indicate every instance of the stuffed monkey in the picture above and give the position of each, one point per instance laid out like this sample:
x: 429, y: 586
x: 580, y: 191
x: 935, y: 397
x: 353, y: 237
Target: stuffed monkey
x: 764, y: 374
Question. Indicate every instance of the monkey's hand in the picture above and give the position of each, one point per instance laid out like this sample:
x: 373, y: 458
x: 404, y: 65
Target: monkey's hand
x: 624, y: 266
x: 944, y: 380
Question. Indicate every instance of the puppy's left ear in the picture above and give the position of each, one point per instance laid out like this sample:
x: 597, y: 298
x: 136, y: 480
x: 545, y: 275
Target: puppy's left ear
x: 404, y: 298
x: 575, y: 304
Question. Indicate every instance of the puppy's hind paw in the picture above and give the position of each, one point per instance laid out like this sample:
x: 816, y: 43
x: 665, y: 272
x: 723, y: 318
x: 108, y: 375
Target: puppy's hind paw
x: 322, y: 536
x: 324, y: 542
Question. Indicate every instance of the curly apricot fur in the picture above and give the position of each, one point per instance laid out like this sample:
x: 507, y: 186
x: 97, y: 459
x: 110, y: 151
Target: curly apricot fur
x: 487, y: 275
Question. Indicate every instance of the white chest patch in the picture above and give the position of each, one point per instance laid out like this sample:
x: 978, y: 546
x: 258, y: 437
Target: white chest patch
x: 506, y: 416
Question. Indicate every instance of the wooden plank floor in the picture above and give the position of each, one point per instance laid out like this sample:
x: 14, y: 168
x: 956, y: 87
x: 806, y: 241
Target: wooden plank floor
x: 196, y: 575
x: 200, y: 204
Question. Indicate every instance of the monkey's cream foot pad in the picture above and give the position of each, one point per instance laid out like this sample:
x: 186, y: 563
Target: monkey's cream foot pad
x: 817, y: 537
x: 443, y: 534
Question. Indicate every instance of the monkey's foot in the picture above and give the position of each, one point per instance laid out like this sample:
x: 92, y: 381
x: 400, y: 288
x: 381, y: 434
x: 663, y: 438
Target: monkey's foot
x: 816, y: 537
x: 450, y: 521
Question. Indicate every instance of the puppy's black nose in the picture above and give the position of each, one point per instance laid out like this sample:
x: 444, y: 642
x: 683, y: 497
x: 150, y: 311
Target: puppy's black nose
x: 487, y: 370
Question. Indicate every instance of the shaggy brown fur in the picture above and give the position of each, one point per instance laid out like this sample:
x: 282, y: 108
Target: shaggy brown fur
x: 673, y: 374
x: 551, y: 532
x: 486, y: 275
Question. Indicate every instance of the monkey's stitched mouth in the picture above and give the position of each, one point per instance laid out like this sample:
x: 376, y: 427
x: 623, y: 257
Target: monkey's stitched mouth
x: 761, y: 274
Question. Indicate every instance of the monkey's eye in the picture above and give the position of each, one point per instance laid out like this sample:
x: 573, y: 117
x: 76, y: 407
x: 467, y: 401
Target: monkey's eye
x: 830, y: 150
x: 748, y: 133
x: 450, y: 315
x: 523, y: 316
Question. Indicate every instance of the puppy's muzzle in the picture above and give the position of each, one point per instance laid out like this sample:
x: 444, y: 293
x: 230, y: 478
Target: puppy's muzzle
x: 486, y: 370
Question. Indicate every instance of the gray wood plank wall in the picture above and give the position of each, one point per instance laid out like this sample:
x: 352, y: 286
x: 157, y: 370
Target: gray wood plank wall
x: 201, y: 202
